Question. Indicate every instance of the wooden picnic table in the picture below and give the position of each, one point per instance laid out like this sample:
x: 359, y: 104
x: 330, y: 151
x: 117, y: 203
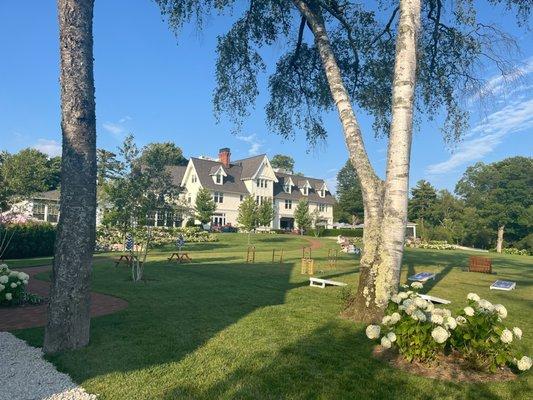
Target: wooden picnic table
x: 126, y: 258
x: 180, y: 257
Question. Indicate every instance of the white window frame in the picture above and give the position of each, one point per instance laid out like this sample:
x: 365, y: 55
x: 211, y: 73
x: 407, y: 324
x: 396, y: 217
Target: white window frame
x: 219, y: 179
x: 288, y: 204
x: 218, y: 197
x: 194, y: 179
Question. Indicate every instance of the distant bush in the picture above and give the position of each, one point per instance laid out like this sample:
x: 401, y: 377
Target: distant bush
x: 29, y: 240
x: 513, y: 251
x: 347, y: 232
x: 526, y: 243
x: 431, y: 245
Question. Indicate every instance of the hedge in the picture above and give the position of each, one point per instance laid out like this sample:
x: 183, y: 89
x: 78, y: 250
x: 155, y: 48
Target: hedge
x: 347, y: 232
x: 29, y: 240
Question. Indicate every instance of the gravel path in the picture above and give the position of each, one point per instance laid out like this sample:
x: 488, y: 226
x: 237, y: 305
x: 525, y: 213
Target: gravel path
x: 26, y: 375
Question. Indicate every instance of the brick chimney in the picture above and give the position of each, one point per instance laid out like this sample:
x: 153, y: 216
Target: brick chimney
x: 224, y: 156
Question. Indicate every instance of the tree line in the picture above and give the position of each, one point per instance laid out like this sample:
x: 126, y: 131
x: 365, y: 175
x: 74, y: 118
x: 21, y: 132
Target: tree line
x: 491, y: 207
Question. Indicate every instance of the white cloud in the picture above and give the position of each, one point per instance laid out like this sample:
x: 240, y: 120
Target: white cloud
x: 117, y: 128
x: 255, y: 144
x: 488, y: 134
x: 50, y: 147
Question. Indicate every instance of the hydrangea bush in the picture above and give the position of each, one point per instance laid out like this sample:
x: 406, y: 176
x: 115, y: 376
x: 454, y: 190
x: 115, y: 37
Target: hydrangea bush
x: 420, y: 331
x: 12, y: 286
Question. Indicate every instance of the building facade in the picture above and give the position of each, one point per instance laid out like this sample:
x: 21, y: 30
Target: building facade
x: 231, y: 181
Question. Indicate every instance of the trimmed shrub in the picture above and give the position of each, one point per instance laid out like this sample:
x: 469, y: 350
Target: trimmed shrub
x: 29, y: 240
x: 347, y: 232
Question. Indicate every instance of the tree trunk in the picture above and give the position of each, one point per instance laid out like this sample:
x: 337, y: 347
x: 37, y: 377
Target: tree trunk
x: 499, y: 244
x: 385, y: 203
x: 69, y: 307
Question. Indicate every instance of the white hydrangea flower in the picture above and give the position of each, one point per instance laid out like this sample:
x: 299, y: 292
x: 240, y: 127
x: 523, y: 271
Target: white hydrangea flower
x: 9, y: 296
x: 473, y: 296
x: 391, y: 336
x: 395, y: 317
x: 437, y: 319
x: 501, y: 310
x: 420, y: 302
x: 420, y: 316
x: 395, y: 299
x: 410, y: 309
x: 417, y: 285
x: 385, y: 342
x: 485, y: 305
x: 4, y: 279
x: 2, y: 287
x: 13, y: 274
x: 401, y: 307
x: 386, y: 320
x: 430, y: 306
x: 524, y: 363
x: 450, y: 323
x: 506, y: 336
x: 446, y: 313
x: 469, y: 311
x: 404, y: 286
x: 373, y: 331
x: 439, y: 334
x: 13, y: 285
x: 517, y: 332
x: 403, y: 295
x: 460, y: 320
x: 407, y: 302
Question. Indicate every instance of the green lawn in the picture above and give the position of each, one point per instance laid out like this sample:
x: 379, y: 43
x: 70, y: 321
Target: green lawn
x: 221, y: 328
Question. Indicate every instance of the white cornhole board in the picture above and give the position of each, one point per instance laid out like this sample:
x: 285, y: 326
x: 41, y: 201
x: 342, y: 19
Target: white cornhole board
x: 422, y: 277
x: 503, y: 285
x: 434, y: 299
x: 321, y: 283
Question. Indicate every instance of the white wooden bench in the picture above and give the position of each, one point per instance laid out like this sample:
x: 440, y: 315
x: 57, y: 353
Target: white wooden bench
x: 321, y: 283
x: 434, y: 299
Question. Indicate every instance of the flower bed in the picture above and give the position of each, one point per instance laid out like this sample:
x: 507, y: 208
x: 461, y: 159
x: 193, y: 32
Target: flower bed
x: 431, y: 245
x: 110, y: 239
x: 421, y: 332
x: 12, y: 286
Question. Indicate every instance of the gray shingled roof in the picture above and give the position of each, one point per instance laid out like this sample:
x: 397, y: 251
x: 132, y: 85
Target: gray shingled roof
x: 176, y: 173
x: 249, y: 165
x: 232, y: 182
x: 296, y: 194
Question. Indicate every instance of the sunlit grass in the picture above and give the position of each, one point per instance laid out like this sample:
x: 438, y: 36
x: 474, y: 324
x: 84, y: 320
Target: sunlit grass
x: 221, y: 328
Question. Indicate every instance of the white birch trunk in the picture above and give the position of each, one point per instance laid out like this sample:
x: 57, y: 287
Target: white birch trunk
x: 385, y: 203
x: 499, y: 243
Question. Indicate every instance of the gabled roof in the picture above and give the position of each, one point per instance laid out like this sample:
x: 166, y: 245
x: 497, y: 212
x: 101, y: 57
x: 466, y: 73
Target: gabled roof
x: 250, y: 165
x: 232, y: 182
x: 296, y: 194
x: 176, y: 173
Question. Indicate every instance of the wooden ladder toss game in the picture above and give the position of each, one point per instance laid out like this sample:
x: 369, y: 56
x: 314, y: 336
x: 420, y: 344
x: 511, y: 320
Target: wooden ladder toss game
x: 332, y: 258
x: 250, y: 254
x: 308, y: 264
x: 280, y: 256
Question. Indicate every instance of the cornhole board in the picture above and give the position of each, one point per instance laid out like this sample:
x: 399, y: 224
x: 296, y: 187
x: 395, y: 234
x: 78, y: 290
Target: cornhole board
x: 321, y: 283
x: 434, y: 299
x: 503, y: 285
x: 422, y: 276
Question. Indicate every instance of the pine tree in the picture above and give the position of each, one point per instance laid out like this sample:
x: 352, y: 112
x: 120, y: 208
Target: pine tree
x: 205, y: 206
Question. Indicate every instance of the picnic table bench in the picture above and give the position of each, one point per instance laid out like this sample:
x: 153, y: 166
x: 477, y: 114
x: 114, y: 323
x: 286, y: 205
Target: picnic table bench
x: 321, y: 283
x: 180, y: 257
x: 126, y: 258
x: 480, y: 264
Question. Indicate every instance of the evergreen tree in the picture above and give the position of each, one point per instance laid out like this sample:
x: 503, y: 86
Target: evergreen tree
x: 302, y: 216
x: 265, y: 213
x: 205, y: 206
x: 248, y: 215
x: 349, y: 207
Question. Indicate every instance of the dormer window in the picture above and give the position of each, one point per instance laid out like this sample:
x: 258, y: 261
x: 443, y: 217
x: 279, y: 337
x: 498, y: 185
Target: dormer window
x: 287, y: 188
x: 193, y: 178
x: 305, y: 187
x: 305, y: 190
x: 261, y: 183
x: 218, y: 175
x: 219, y: 179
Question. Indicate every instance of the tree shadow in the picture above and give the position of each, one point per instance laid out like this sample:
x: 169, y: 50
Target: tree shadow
x: 333, y: 362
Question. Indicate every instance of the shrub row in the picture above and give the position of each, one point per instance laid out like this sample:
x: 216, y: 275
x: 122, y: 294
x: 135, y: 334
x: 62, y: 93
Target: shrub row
x: 347, y: 232
x: 29, y: 240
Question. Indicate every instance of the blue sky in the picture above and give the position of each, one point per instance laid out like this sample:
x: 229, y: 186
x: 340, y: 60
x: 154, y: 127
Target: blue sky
x: 159, y: 88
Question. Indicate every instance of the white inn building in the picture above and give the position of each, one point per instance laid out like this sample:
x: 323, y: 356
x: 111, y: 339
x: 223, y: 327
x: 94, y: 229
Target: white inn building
x: 231, y: 181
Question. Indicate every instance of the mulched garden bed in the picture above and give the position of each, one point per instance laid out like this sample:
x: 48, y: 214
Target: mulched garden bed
x: 447, y: 368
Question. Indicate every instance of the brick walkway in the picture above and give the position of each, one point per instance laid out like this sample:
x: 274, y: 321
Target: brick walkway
x: 12, y: 318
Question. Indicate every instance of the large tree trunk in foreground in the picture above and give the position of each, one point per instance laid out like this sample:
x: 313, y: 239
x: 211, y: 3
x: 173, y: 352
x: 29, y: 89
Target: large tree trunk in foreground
x: 499, y: 243
x: 385, y: 203
x: 69, y: 307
